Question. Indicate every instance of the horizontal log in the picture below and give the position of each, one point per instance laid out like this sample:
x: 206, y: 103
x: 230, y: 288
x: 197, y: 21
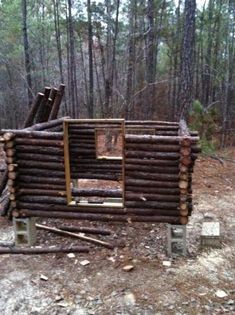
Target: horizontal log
x: 42, y: 165
x: 40, y: 180
x: 80, y: 145
x: 43, y: 199
x: 173, y: 133
x: 156, y: 139
x: 42, y: 172
x: 25, y: 133
x: 55, y: 187
x: 150, y: 122
x: 99, y: 217
x: 27, y: 156
x: 152, y: 212
x: 37, y: 149
x: 39, y: 142
x: 156, y: 155
x: 151, y: 189
x: 152, y: 147
x: 116, y: 193
x: 152, y: 162
x: 87, y: 230
x: 152, y: 204
x: 111, y: 176
x: 152, y: 176
x: 42, y: 192
x: 76, y: 166
x: 45, y: 250
x: 86, y: 132
x: 48, y: 207
x: 157, y: 127
x: 146, y: 168
x: 49, y: 124
x: 149, y: 183
x: 130, y: 196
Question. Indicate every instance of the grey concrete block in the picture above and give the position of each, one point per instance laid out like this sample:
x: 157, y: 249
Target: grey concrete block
x: 210, y: 234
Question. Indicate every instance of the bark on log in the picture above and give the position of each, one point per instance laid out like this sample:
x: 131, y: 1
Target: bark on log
x: 151, y: 189
x: 116, y: 193
x: 39, y: 142
x: 152, y: 176
x: 152, y: 212
x: 130, y: 196
x: 74, y: 235
x: 57, y: 102
x: 40, y: 180
x: 100, y: 217
x: 43, y: 165
x: 152, y: 147
x: 45, y: 250
x: 152, y: 162
x: 28, y: 133
x: 146, y: 168
x: 152, y: 204
x: 55, y: 187
x: 156, y: 139
x: 39, y: 157
x: 41, y: 172
x: 41, y: 110
x: 48, y: 208
x: 49, y: 124
x: 42, y: 192
x: 36, y: 149
x: 148, y: 183
x: 33, y: 111
x: 156, y: 155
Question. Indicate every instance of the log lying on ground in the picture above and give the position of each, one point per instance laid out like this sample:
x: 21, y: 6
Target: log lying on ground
x: 45, y: 250
x: 100, y: 217
x: 87, y: 230
x: 74, y: 235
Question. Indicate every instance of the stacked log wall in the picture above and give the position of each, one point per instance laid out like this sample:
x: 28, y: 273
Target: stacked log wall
x: 155, y: 167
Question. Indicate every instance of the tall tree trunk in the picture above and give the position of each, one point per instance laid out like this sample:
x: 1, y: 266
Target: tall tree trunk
x: 27, y: 52
x: 185, y: 95
x: 90, y: 53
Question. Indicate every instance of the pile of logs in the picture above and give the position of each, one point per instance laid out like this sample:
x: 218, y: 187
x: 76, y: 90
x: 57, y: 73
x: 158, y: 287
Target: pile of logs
x: 155, y: 170
x: 42, y: 115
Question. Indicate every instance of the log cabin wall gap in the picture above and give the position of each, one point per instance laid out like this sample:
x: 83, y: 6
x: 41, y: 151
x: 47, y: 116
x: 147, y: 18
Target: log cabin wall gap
x: 143, y: 170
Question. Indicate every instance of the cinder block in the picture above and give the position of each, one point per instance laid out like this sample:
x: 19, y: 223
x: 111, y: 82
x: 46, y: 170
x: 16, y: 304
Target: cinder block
x: 176, y: 239
x: 25, y: 231
x: 210, y: 234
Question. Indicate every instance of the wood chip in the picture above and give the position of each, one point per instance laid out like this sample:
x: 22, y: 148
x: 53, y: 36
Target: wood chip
x: 128, y: 268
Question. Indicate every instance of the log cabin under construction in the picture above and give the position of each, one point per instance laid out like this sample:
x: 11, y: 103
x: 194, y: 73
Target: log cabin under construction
x: 102, y: 169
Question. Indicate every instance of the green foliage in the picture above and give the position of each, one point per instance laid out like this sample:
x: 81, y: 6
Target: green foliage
x: 205, y: 122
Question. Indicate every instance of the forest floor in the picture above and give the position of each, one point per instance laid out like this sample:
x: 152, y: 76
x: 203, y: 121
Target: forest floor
x: 201, y: 283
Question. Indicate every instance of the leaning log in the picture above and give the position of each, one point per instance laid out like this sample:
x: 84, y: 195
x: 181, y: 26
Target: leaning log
x: 33, y: 111
x: 87, y: 230
x: 74, y: 235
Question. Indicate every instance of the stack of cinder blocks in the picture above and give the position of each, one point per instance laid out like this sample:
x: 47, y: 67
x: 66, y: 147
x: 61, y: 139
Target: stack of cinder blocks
x: 25, y: 231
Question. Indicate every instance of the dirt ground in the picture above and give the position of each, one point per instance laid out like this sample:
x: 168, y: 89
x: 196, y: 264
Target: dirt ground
x: 201, y: 283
